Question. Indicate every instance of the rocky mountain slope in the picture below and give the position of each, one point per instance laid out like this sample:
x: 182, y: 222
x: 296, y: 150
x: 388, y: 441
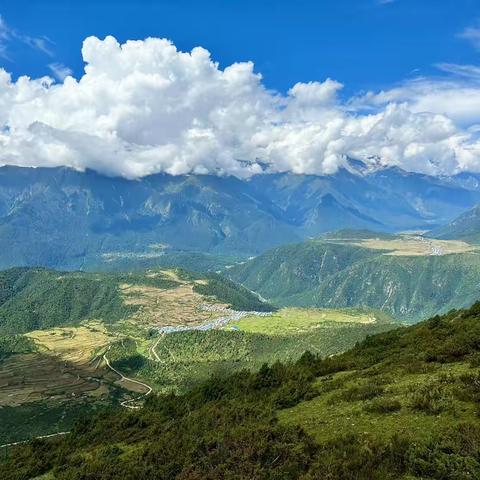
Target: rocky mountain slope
x: 67, y: 219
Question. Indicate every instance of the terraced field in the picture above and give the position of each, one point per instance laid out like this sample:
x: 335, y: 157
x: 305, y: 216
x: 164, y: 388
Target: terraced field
x: 77, y: 345
x: 33, y: 377
x: 161, y: 307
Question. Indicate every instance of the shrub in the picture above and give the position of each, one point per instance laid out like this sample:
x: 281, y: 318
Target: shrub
x: 361, y: 392
x: 429, y: 399
x: 469, y: 388
x: 383, y: 405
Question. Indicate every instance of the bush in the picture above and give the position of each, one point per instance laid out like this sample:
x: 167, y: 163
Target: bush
x: 383, y: 405
x: 429, y: 399
x: 361, y: 392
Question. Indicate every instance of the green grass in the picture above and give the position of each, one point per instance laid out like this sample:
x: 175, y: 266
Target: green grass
x: 343, y: 410
x: 403, y: 404
x: 296, y: 320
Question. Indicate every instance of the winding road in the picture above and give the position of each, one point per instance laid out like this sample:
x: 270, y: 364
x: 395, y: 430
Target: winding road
x: 124, y: 378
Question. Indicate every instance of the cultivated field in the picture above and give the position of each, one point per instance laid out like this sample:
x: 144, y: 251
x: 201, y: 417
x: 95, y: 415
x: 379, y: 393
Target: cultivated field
x: 77, y: 345
x: 176, y: 306
x: 413, y: 245
x: 69, y: 364
x: 33, y: 377
x: 297, y: 320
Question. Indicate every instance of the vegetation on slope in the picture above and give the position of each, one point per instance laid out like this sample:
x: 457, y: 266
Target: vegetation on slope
x: 238, y: 297
x: 186, y: 359
x: 292, y: 269
x: 329, y: 275
x: 465, y: 227
x: 13, y: 344
x: 35, y: 299
x: 229, y: 428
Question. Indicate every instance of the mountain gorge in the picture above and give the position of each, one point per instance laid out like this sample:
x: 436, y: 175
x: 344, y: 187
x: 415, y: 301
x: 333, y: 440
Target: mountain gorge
x: 61, y: 218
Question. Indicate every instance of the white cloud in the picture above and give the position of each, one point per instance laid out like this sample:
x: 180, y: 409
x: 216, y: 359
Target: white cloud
x: 60, y: 71
x: 457, y: 98
x: 144, y: 107
x: 472, y: 34
x: 471, y: 72
x: 9, y: 35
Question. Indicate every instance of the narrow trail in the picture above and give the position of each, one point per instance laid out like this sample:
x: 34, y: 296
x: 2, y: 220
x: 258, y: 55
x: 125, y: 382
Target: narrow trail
x: 123, y: 378
x: 152, y: 348
x: 21, y: 442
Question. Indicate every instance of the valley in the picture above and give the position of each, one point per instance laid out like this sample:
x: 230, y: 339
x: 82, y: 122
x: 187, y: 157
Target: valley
x: 72, y: 220
x: 402, y: 404
x: 240, y: 240
x: 78, y: 342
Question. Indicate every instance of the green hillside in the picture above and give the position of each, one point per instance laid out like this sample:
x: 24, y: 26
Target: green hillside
x: 292, y: 269
x: 340, y: 273
x: 35, y: 298
x: 186, y: 359
x: 401, y: 405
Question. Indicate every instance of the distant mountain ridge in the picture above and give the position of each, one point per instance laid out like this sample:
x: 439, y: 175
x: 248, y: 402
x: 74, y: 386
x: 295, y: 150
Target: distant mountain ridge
x: 465, y: 227
x: 62, y: 218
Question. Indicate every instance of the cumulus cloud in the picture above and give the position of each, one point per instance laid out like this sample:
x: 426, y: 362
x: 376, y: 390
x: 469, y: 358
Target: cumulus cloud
x: 457, y: 100
x: 144, y: 107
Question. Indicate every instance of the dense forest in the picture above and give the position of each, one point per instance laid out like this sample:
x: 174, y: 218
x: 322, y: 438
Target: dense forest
x: 244, y: 426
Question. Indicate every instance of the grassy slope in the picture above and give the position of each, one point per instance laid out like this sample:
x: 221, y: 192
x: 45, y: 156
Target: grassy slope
x: 407, y: 403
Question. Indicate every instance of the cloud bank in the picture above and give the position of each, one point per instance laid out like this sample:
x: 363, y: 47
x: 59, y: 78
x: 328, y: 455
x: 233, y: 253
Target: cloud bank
x: 144, y: 107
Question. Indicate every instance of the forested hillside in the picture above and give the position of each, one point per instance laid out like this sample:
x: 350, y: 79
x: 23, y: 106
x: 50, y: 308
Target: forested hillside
x: 465, y: 227
x: 409, y: 278
x: 400, y: 405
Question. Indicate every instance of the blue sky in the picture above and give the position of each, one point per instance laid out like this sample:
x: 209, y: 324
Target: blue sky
x: 365, y: 44
x: 389, y: 82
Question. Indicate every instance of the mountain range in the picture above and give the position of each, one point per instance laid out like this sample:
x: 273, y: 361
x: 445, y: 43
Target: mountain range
x: 59, y: 217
